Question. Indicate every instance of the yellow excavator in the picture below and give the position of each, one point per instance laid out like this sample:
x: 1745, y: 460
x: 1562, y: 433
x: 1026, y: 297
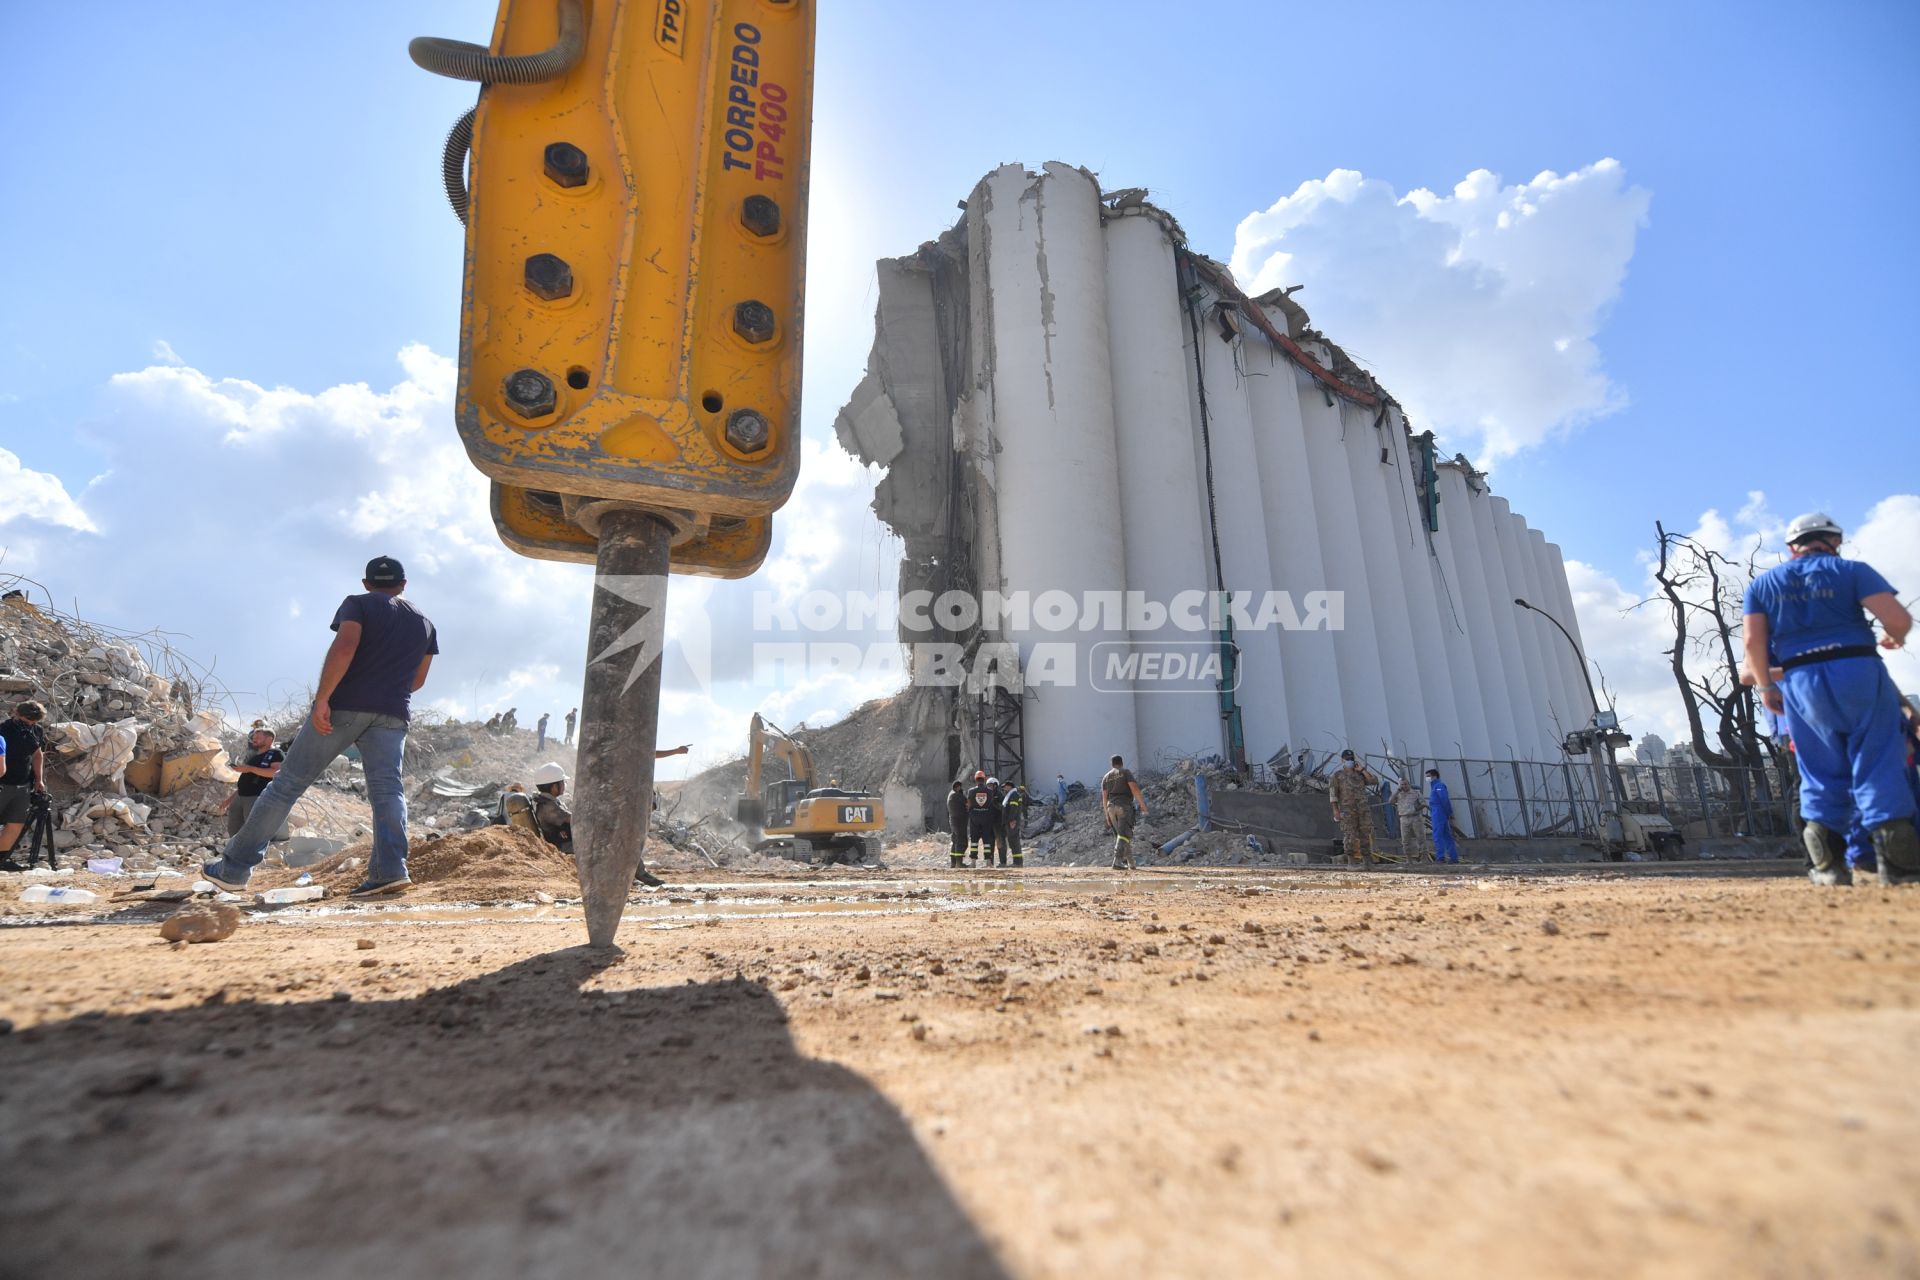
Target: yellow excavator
x: 794, y: 818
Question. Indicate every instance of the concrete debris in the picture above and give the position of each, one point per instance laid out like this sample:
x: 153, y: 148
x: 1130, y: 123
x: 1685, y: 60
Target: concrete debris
x: 201, y: 922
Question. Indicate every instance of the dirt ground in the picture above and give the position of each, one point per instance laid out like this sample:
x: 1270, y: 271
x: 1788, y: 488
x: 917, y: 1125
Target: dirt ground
x: 1689, y: 1071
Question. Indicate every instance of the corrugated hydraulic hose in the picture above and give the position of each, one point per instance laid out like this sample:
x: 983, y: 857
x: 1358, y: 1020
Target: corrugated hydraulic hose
x: 460, y: 60
x: 453, y: 164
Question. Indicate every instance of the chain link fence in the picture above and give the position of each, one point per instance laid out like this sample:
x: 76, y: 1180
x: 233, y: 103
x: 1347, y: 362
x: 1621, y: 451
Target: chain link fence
x: 1529, y: 799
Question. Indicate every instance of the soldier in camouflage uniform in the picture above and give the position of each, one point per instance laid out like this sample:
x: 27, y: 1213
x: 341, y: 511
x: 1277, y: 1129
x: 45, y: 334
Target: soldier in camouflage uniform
x: 1351, y: 792
x: 1119, y: 793
x: 1414, y: 846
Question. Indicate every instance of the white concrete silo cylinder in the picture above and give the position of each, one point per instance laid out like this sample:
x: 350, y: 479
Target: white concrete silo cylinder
x: 1052, y: 419
x: 1163, y: 525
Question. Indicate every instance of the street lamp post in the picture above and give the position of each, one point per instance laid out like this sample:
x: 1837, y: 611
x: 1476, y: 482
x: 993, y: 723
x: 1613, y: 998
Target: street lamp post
x: 1599, y: 740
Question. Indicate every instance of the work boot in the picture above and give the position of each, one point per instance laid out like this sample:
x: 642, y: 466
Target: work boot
x: 1827, y: 851
x: 1019, y: 862
x: 957, y: 862
x: 1897, y: 845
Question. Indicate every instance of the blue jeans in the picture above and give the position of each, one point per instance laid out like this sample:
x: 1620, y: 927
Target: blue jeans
x: 382, y: 741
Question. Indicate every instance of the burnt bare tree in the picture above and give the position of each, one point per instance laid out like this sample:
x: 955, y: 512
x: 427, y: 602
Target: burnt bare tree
x: 1704, y: 594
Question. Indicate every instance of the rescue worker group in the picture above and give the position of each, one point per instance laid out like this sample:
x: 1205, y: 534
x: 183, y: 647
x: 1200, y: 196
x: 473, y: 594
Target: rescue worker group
x: 1811, y: 653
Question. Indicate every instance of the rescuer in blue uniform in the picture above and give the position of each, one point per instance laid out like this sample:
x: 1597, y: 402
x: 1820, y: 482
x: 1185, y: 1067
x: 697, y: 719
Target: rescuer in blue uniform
x: 1440, y: 814
x: 1811, y: 616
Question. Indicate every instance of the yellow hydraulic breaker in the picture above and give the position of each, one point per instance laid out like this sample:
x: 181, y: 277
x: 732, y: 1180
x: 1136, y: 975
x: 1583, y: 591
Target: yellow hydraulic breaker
x: 634, y: 186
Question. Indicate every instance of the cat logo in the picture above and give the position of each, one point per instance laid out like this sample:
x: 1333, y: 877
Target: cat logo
x: 670, y: 32
x: 852, y: 813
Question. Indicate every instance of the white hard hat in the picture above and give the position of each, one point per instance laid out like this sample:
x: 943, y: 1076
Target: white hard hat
x: 1811, y: 523
x: 548, y: 774
x: 993, y: 782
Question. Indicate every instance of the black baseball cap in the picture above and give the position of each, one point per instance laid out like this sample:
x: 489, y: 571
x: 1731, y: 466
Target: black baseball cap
x: 1347, y: 754
x: 385, y: 571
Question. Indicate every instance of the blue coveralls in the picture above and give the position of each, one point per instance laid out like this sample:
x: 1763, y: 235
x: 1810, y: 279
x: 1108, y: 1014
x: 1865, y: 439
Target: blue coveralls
x: 1843, y: 713
x: 1860, y: 855
x: 1440, y: 814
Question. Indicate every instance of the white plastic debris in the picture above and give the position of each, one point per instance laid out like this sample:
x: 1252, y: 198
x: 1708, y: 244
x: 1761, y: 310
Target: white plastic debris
x: 45, y: 895
x: 299, y: 893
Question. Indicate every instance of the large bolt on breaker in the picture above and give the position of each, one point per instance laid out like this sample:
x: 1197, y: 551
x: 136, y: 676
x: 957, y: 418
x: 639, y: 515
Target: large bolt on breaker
x: 633, y: 182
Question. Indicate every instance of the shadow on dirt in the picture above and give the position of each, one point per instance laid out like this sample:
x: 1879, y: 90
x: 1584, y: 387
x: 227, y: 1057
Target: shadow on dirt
x: 512, y: 1125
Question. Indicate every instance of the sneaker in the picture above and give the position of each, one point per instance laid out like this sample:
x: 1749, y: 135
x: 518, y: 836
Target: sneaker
x: 647, y: 878
x: 8, y: 864
x: 1831, y: 878
x: 223, y: 878
x: 379, y: 888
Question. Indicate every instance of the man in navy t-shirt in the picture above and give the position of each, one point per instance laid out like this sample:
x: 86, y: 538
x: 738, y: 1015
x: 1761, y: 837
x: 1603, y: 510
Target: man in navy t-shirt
x: 1809, y: 617
x: 381, y: 651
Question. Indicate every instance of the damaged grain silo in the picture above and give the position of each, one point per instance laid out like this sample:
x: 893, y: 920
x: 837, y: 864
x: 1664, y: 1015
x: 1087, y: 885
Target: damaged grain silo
x: 1202, y: 527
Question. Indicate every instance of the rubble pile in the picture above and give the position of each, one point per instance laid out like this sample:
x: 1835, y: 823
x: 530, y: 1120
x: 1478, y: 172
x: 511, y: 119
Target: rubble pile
x: 137, y: 761
x: 1080, y: 835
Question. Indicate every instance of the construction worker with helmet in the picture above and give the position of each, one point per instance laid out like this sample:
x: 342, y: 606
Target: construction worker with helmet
x: 551, y: 817
x: 1812, y: 618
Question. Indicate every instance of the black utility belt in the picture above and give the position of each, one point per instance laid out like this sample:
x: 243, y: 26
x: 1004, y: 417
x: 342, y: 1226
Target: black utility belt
x: 1829, y: 655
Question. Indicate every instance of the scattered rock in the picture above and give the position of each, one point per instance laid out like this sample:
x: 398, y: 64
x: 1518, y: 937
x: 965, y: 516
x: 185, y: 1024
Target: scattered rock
x: 201, y: 922
x: 365, y: 944
x: 1549, y: 927
x: 128, y: 1083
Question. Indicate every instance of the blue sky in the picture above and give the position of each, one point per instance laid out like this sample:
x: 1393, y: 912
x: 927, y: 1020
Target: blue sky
x: 256, y: 186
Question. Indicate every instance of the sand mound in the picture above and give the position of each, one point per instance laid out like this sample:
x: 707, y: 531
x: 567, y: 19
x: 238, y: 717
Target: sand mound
x: 489, y: 864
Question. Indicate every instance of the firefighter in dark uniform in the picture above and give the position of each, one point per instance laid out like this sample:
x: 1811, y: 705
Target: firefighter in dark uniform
x: 999, y: 850
x: 957, y: 824
x: 983, y: 812
x: 1013, y: 811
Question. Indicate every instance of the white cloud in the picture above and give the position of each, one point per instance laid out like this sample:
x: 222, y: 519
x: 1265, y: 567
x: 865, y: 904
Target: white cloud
x: 1479, y: 310
x: 237, y: 515
x: 1889, y: 540
x: 37, y: 495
